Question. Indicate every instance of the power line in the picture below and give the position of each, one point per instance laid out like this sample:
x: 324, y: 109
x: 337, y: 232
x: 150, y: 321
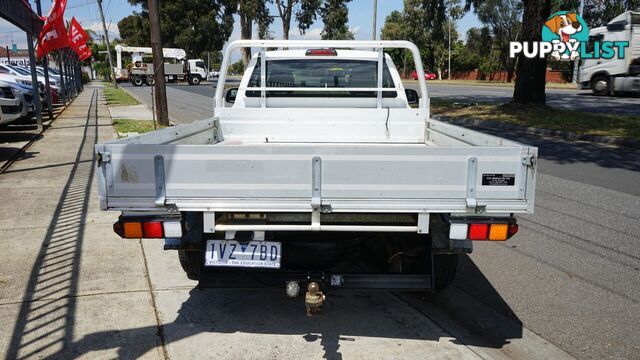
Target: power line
x: 81, y: 5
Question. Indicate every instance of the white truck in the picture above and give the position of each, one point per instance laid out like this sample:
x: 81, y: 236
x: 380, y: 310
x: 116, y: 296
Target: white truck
x: 320, y: 171
x: 141, y: 70
x: 615, y: 75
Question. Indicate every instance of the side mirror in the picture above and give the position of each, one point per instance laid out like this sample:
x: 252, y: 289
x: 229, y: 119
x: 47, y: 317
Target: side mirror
x: 230, y: 97
x: 412, y: 96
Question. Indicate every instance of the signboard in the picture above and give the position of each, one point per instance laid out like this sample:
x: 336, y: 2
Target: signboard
x: 19, y: 61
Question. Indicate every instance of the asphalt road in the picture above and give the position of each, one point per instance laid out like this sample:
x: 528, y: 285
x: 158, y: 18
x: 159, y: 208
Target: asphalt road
x: 569, y: 99
x: 572, y: 274
x: 560, y: 98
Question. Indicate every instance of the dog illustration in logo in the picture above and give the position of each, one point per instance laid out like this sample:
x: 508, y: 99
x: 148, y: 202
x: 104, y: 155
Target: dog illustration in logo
x: 564, y: 26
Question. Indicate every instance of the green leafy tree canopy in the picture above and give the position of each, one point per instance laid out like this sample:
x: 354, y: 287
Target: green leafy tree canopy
x: 192, y: 25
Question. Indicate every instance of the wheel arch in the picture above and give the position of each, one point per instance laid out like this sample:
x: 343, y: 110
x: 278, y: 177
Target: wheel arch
x: 599, y: 73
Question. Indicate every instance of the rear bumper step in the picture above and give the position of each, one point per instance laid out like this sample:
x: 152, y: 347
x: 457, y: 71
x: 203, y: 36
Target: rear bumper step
x: 277, y: 280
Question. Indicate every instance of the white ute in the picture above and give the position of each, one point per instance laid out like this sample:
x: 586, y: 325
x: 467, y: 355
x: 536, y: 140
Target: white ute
x: 318, y: 173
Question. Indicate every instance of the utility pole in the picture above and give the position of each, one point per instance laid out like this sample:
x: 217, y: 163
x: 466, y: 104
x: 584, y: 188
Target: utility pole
x: 449, y: 66
x: 45, y: 66
x: 374, y: 21
x: 106, y: 35
x: 158, y: 64
x: 576, y: 62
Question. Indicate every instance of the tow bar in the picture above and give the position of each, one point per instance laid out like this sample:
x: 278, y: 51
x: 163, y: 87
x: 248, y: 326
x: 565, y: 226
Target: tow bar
x: 314, y: 298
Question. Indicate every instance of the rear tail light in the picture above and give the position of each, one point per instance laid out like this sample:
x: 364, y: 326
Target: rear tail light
x: 133, y: 230
x: 172, y: 229
x: 155, y: 229
x: 321, y: 52
x: 479, y: 230
x: 498, y: 232
x: 458, y: 231
x: 152, y: 229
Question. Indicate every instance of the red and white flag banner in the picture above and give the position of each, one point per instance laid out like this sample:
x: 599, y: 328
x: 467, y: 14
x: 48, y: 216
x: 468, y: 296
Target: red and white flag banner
x: 84, y: 52
x: 53, y: 35
x: 78, y: 40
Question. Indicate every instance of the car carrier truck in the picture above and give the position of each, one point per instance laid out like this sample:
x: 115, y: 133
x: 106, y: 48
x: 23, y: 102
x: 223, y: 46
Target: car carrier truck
x: 615, y: 75
x: 319, y: 172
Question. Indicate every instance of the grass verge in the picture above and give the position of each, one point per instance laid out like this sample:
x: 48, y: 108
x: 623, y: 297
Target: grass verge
x: 118, y: 97
x: 123, y: 126
x: 601, y: 124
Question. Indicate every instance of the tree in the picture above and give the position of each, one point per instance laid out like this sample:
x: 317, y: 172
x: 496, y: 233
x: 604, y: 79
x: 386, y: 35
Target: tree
x: 462, y: 59
x: 394, y: 28
x: 335, y: 15
x: 134, y: 30
x: 479, y: 41
x: 440, y: 49
x: 304, y: 11
x: 597, y: 12
x: 306, y: 14
x: 531, y: 72
x: 193, y: 25
x: 503, y: 16
x: 250, y: 11
x: 427, y: 27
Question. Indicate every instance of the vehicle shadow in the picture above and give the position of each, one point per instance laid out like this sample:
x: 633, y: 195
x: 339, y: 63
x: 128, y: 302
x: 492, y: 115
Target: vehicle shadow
x: 347, y: 317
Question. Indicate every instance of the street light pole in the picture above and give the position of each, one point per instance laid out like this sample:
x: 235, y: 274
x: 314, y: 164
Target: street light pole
x: 576, y: 62
x: 106, y: 35
x: 374, y: 20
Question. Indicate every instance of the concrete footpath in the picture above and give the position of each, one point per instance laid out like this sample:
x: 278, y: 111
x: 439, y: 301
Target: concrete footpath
x: 70, y: 288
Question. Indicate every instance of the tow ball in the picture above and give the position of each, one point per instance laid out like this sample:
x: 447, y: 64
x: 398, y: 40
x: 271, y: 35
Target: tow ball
x: 314, y: 298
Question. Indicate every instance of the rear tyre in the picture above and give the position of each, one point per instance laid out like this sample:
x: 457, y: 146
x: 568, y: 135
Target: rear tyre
x: 194, y: 80
x: 600, y: 85
x: 149, y: 81
x: 191, y: 262
x: 137, y: 81
x: 445, y: 267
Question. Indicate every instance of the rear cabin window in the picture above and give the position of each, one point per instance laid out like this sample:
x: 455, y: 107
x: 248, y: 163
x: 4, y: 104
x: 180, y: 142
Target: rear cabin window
x: 321, y: 73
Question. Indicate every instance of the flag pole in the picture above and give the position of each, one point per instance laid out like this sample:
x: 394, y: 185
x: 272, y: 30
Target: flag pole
x: 45, y: 66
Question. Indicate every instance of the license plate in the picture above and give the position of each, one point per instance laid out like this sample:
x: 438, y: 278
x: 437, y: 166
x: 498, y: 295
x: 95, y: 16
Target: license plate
x: 253, y: 254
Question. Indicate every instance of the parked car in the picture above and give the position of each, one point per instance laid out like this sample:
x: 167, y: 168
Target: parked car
x: 213, y: 74
x: 22, y: 82
x: 54, y: 82
x: 320, y: 175
x: 10, y: 105
x: 427, y: 75
x: 25, y: 94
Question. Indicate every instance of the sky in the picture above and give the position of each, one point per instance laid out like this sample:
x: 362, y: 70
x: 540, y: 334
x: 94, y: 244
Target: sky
x: 86, y: 12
